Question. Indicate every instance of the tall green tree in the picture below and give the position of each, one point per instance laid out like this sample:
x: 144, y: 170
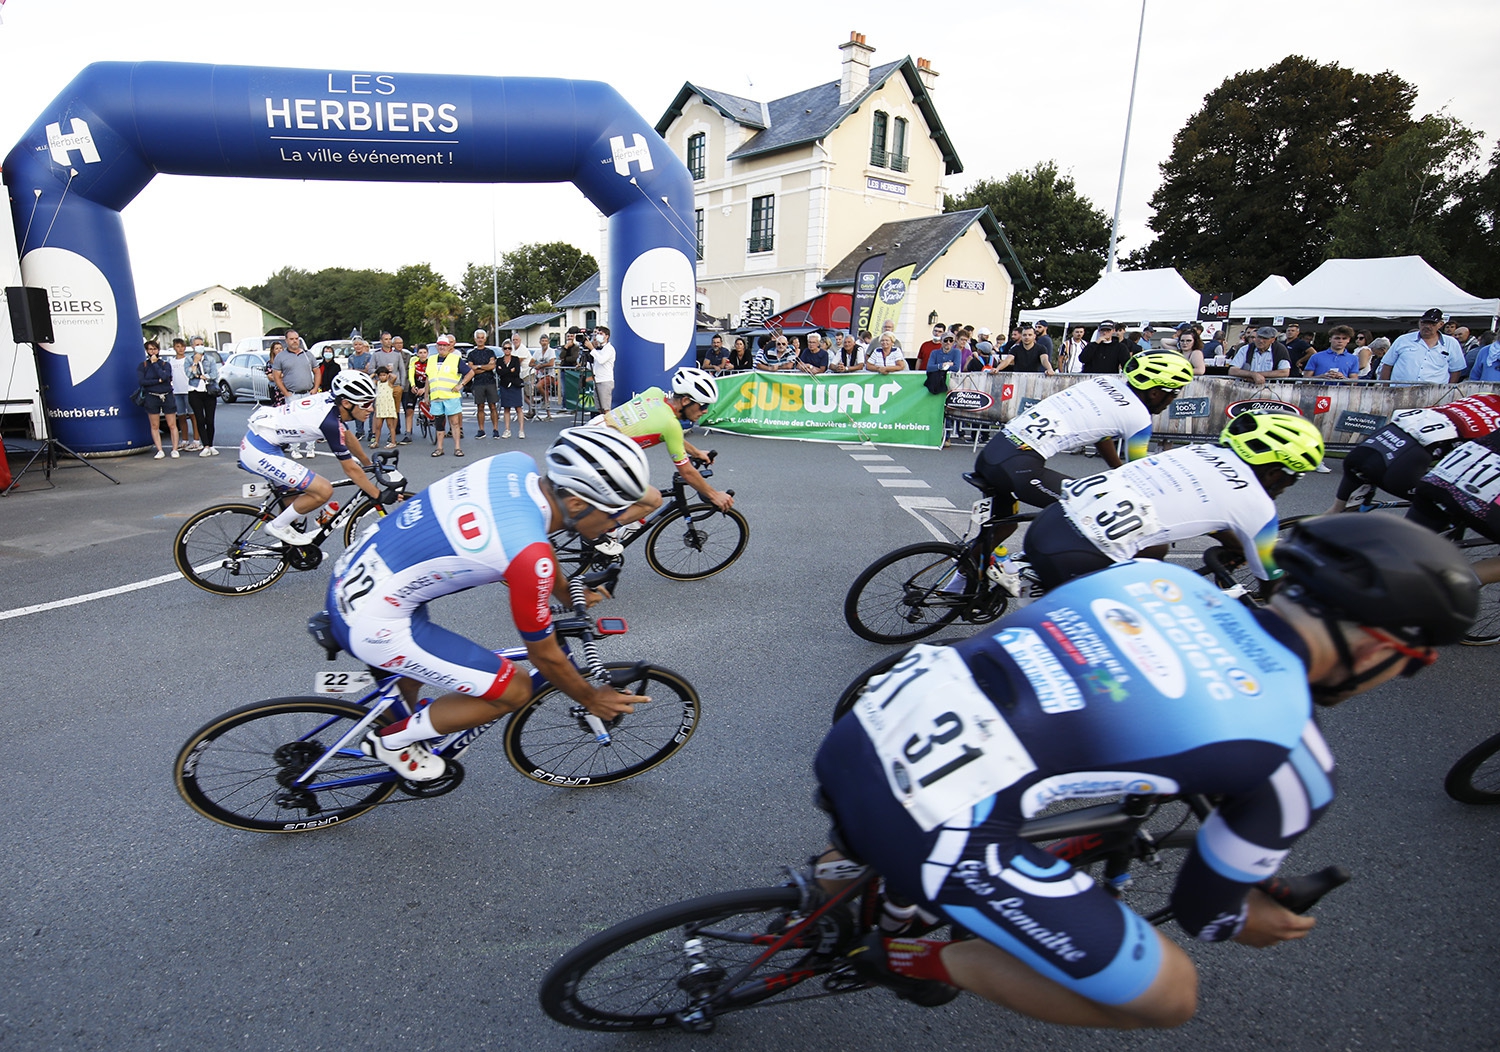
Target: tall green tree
x: 538, y: 274
x: 1257, y: 174
x: 407, y: 301
x: 1059, y: 236
x: 1405, y: 204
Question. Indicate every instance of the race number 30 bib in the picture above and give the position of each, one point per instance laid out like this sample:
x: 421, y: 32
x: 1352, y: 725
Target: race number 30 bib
x: 1111, y: 513
x: 943, y: 745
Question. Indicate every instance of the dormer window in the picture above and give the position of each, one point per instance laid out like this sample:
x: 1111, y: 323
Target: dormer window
x: 697, y: 154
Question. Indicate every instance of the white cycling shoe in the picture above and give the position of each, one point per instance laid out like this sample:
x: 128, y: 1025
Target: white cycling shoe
x: 288, y: 534
x: 414, y: 762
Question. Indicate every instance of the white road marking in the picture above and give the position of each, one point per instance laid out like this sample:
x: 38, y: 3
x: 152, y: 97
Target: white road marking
x: 903, y: 484
x: 22, y: 611
x: 870, y: 456
x: 887, y: 469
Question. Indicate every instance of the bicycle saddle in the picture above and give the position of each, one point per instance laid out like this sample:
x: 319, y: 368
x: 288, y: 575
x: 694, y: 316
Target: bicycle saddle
x: 320, y: 627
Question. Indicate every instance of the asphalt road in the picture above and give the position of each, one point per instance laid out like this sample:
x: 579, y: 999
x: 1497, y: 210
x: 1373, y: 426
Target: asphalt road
x: 132, y: 923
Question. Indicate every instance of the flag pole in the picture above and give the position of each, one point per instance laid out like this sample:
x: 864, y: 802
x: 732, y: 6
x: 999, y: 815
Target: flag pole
x: 1114, y: 228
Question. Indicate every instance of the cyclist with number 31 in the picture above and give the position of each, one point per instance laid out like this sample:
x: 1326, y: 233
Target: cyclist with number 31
x: 1142, y: 678
x: 486, y: 523
x: 653, y: 417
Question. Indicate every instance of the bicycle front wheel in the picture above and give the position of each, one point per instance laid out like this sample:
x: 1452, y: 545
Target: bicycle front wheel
x: 550, y: 741
x: 1475, y: 779
x: 1486, y: 628
x: 224, y: 550
x: 910, y: 593
x: 670, y: 967
x: 361, y: 521
x: 576, y: 556
x: 692, y: 543
x: 239, y: 769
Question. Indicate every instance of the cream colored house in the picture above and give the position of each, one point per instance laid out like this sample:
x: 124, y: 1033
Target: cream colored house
x: 221, y: 317
x: 788, y: 190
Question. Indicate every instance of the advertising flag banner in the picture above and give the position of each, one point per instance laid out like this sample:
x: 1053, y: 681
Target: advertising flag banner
x: 890, y: 297
x: 891, y: 409
x: 866, y: 283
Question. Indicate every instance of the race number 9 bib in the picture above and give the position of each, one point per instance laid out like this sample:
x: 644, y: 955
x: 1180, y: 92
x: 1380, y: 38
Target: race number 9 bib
x: 1473, y: 470
x: 942, y: 743
x: 1111, y: 513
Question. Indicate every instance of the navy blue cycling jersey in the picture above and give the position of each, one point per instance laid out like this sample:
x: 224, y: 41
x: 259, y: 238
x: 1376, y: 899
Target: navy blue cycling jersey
x: 1142, y: 678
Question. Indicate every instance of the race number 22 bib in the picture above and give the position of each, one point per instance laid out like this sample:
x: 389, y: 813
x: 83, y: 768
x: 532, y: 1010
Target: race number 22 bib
x: 942, y: 743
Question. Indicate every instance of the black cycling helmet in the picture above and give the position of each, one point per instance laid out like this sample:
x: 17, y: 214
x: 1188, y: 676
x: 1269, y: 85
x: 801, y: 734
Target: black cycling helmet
x: 1382, y: 572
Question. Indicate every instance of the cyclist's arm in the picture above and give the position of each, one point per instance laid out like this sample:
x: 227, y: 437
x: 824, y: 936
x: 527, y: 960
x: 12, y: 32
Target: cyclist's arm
x: 351, y: 455
x: 1106, y: 449
x: 1244, y: 842
x: 690, y: 475
x: 1259, y: 548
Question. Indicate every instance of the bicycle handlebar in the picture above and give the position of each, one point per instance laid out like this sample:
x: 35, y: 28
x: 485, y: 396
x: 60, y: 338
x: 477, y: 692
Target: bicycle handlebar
x: 1300, y: 894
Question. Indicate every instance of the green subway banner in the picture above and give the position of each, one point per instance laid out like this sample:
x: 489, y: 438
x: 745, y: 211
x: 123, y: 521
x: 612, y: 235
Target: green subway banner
x: 892, y: 409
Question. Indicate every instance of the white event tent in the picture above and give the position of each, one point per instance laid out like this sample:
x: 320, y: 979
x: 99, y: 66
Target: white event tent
x: 1129, y: 297
x: 1267, y: 293
x: 1394, y: 287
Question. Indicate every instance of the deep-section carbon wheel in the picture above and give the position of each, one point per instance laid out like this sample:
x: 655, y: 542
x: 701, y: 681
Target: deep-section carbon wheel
x: 550, y: 741
x: 697, y: 542
x: 668, y: 967
x: 239, y: 769
x: 910, y: 592
x: 361, y: 521
x: 225, y: 550
x: 1475, y: 779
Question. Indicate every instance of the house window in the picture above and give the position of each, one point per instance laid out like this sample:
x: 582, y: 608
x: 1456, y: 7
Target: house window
x: 899, y: 160
x: 697, y: 152
x: 756, y: 310
x: 762, y: 223
x: 590, y: 319
x: 877, y: 140
x: 221, y: 308
x: 698, y: 223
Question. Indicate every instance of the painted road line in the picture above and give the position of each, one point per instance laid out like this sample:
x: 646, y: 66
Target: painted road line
x: 903, y: 483
x: 887, y: 469
x: 870, y: 456
x: 22, y: 611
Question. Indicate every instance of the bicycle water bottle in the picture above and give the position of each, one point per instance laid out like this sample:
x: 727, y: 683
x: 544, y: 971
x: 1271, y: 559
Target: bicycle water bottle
x: 327, y: 514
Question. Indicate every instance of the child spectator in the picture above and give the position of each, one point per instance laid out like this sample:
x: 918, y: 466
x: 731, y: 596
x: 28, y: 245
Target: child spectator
x: 385, y: 408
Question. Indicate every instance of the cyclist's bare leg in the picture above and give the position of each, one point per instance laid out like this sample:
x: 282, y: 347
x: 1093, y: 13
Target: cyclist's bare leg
x: 459, y: 712
x: 1487, y: 570
x: 985, y: 969
x: 1156, y: 551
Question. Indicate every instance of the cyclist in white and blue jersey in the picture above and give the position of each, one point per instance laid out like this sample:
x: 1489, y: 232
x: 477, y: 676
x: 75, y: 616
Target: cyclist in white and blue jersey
x: 305, y: 420
x: 1142, y: 678
x: 486, y: 523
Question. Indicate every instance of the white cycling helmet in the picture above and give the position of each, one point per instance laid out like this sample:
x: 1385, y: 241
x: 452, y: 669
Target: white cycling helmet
x: 353, y: 385
x: 695, y: 384
x: 603, y: 467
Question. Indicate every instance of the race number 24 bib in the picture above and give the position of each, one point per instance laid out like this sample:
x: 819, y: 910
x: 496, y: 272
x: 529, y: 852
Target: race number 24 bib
x: 942, y: 743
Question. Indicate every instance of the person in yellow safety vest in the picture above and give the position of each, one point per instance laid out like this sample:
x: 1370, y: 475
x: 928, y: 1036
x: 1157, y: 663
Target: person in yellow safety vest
x: 447, y: 375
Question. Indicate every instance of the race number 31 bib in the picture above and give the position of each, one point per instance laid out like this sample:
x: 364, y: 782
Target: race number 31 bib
x: 943, y: 745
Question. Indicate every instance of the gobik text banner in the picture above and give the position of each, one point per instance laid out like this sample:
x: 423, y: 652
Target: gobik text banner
x: 892, y: 409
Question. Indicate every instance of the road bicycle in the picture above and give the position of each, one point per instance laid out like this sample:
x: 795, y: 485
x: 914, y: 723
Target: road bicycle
x: 914, y: 591
x: 224, y: 549
x: 289, y: 765
x: 687, y: 964
x: 684, y: 541
x: 1475, y: 778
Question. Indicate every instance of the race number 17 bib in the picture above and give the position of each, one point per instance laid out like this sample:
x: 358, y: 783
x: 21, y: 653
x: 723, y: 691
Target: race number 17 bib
x: 1472, y: 469
x: 943, y: 745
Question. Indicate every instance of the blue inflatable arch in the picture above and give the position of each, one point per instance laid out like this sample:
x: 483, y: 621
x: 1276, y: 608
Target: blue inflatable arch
x: 118, y: 124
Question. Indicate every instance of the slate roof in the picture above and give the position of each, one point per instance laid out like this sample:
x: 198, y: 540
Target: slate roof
x: 812, y: 114
x: 526, y: 321
x: 922, y: 242
x: 585, y: 295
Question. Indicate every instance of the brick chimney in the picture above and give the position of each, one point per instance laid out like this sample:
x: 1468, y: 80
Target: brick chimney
x: 856, y: 76
x: 927, y: 74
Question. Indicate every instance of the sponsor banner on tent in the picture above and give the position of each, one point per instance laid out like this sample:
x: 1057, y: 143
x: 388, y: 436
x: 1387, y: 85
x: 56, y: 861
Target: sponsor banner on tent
x: 1213, y: 308
x: 893, y: 409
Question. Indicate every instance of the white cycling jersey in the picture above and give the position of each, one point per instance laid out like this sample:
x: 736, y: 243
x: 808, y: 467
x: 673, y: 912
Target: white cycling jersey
x: 1427, y: 426
x: 1186, y: 492
x: 1099, y: 407
x: 301, y: 420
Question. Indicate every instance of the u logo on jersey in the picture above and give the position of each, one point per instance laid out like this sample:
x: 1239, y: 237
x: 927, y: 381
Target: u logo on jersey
x: 471, y: 527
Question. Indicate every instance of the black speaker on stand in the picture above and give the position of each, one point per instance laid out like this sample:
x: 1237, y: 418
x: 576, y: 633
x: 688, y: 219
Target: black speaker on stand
x: 31, y: 323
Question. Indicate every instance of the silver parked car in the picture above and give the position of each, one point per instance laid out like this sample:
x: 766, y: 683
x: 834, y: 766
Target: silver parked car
x: 244, y: 376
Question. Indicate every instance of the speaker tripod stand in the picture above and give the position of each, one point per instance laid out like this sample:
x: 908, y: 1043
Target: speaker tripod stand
x: 49, y: 450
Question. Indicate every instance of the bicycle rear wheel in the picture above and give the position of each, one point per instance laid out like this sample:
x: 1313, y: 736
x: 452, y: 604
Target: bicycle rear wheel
x: 654, y: 970
x: 696, y: 542
x: 911, y: 592
x: 224, y: 550
x: 857, y: 685
x: 1475, y: 779
x: 1486, y: 628
x: 238, y: 769
x: 549, y: 741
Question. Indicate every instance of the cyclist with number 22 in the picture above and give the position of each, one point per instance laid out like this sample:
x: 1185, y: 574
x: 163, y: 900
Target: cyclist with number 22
x: 304, y: 420
x: 653, y: 417
x: 486, y: 523
x: 1141, y: 678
